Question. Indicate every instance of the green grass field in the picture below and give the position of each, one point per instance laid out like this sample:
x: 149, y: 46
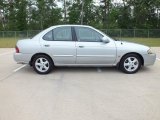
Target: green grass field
x: 8, y: 42
x: 152, y: 42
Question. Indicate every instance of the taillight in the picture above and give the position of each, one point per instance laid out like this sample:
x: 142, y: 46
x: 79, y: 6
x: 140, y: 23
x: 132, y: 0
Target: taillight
x: 17, y: 49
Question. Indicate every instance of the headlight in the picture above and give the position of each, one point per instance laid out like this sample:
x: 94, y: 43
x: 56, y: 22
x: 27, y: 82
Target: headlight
x: 149, y: 51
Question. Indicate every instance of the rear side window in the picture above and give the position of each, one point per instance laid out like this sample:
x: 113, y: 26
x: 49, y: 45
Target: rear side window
x: 48, y: 36
x: 59, y: 34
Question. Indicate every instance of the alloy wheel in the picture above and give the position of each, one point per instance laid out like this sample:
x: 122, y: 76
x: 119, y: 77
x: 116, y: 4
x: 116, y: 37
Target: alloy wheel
x: 42, y: 64
x: 131, y: 64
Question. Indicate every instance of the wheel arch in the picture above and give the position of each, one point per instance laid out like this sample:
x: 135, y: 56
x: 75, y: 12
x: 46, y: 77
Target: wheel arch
x: 140, y: 56
x: 30, y: 63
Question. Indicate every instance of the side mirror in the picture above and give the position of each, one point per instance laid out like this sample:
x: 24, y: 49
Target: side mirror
x: 105, y: 40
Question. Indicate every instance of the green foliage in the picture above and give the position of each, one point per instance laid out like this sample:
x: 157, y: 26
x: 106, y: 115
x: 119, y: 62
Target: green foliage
x: 92, y: 15
x: 39, y: 14
x: 144, y: 13
x: 74, y: 13
x: 48, y: 13
x: 124, y: 19
x: 21, y: 14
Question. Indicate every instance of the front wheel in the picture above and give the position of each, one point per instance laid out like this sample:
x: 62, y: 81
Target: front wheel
x: 42, y: 64
x: 130, y: 63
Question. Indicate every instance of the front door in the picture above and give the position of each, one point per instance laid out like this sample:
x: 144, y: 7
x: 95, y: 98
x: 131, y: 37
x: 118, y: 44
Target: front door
x: 91, y: 49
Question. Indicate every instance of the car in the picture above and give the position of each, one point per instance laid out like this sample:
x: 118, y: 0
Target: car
x: 80, y: 45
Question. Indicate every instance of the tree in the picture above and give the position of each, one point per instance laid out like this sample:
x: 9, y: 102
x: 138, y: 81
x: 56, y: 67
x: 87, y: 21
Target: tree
x: 47, y: 13
x: 124, y: 18
x: 90, y: 13
x: 144, y: 13
x: 2, y: 15
x: 74, y: 12
x: 11, y: 15
x: 106, y: 10
x: 40, y: 14
x: 21, y: 14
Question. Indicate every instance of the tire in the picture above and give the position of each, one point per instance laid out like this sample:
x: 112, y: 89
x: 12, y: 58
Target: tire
x: 42, y: 64
x: 130, y: 63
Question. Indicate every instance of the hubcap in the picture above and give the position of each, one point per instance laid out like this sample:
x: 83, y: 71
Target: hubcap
x: 42, y: 64
x: 131, y: 64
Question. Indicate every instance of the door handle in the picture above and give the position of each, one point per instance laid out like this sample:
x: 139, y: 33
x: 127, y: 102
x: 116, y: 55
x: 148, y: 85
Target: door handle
x: 81, y: 46
x: 46, y: 45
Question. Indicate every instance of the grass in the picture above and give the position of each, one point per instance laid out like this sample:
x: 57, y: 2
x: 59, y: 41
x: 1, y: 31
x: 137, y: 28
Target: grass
x: 8, y: 42
x: 152, y: 42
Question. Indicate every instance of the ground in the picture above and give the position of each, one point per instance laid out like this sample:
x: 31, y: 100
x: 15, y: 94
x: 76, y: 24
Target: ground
x: 78, y: 93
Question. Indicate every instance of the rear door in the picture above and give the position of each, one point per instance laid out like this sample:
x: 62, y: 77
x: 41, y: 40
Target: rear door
x: 60, y: 44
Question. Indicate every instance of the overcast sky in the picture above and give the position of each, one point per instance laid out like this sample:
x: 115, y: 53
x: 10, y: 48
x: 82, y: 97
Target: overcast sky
x: 97, y: 2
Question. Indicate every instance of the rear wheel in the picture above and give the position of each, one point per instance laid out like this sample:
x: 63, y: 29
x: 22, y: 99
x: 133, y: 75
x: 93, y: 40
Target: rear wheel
x: 42, y: 64
x: 130, y: 63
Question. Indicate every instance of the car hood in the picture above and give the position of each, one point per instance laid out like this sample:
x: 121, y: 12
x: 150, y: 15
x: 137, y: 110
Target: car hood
x: 129, y: 46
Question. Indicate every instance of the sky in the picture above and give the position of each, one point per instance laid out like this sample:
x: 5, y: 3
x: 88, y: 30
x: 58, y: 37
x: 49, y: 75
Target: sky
x: 97, y: 2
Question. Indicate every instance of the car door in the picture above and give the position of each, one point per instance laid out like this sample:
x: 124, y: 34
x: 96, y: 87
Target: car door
x: 60, y: 44
x: 90, y: 48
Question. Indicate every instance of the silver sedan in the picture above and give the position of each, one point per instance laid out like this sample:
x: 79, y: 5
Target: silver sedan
x: 79, y: 45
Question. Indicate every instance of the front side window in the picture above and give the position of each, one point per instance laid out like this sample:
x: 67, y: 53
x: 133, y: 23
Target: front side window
x: 62, y: 34
x: 87, y: 35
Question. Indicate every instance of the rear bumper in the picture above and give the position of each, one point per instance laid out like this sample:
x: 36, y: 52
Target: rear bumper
x: 22, y: 58
x: 149, y: 59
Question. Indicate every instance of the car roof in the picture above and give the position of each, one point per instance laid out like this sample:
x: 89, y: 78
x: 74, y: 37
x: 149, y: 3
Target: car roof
x: 71, y: 25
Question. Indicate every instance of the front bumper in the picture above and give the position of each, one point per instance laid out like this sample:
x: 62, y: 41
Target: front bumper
x: 149, y: 59
x: 22, y: 58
